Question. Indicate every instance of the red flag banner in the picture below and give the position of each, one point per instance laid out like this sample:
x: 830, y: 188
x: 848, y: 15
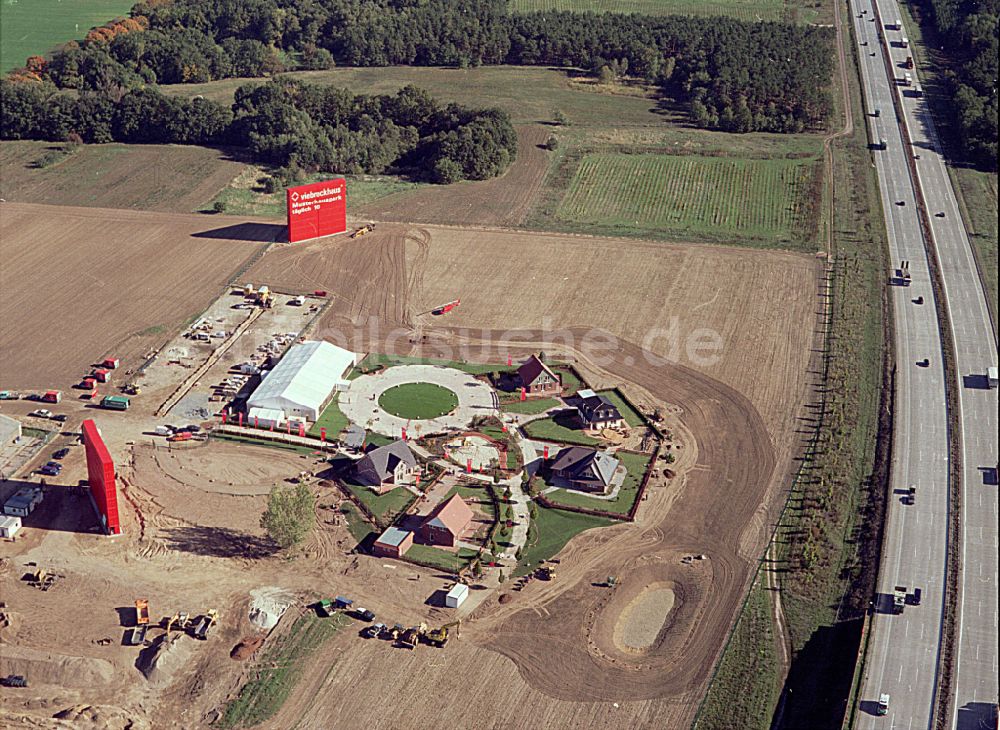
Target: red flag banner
x: 322, y: 435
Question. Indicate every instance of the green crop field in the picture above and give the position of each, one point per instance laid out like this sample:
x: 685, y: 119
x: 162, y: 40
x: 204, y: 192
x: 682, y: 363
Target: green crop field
x: 692, y: 196
x: 35, y: 27
x: 742, y: 9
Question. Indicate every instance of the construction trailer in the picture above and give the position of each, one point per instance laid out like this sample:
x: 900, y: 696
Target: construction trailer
x: 456, y: 596
x: 23, y: 502
x: 10, y: 525
x: 115, y: 403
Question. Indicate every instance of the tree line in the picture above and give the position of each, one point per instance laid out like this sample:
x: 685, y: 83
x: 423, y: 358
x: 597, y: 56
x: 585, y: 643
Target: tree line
x: 290, y: 124
x: 733, y: 75
x: 970, y: 30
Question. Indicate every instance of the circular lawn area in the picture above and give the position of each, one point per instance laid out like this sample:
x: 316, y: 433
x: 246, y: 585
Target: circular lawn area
x: 418, y: 401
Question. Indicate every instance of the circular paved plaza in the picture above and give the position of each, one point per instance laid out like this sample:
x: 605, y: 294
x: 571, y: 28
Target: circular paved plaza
x: 360, y: 403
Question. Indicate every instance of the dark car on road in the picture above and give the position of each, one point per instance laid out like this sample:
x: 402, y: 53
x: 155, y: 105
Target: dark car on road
x: 60, y: 454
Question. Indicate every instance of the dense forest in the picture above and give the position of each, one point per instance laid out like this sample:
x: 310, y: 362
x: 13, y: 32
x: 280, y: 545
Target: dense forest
x: 970, y: 31
x: 290, y: 124
x: 732, y: 75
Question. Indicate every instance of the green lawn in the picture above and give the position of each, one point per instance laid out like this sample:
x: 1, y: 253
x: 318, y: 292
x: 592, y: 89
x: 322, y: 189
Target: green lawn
x: 279, y: 670
x: 631, y: 416
x: 531, y: 406
x: 357, y: 525
x: 570, y: 383
x: 439, y: 558
x: 553, y: 528
x: 35, y: 27
x: 635, y: 464
x: 750, y: 10
x: 979, y: 196
x: 548, y: 430
x: 418, y: 401
x: 332, y: 419
x: 712, y: 198
x: 386, y: 507
x: 245, y: 195
x: 375, y: 360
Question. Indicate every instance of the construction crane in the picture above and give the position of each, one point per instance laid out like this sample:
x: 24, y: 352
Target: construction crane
x: 439, y: 637
x: 364, y: 230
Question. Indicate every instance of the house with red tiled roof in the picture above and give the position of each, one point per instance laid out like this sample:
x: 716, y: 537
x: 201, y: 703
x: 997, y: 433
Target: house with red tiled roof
x: 537, y: 378
x: 446, y: 523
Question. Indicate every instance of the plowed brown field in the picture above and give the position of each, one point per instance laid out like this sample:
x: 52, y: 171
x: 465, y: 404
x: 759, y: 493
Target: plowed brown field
x: 738, y: 414
x: 169, y: 178
x: 501, y: 201
x: 79, y: 284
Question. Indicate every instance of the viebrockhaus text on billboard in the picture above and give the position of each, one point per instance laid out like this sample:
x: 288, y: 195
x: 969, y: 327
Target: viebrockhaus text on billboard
x: 316, y: 210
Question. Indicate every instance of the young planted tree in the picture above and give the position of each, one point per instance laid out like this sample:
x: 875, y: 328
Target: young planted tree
x: 290, y: 514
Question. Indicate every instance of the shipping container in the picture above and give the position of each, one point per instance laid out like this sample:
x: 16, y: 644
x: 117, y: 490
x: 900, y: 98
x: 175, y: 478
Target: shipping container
x: 111, y: 363
x: 101, y: 375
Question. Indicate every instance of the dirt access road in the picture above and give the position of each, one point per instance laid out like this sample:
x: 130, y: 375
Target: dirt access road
x: 79, y: 284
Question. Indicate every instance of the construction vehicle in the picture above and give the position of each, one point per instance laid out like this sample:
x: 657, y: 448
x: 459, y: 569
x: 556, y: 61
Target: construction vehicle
x: 42, y: 579
x: 141, y: 612
x: 137, y: 636
x: 131, y: 389
x: 13, y: 680
x: 204, y: 623
x: 179, y: 621
x: 411, y: 637
x: 611, y: 581
x: 898, y: 599
x: 445, y: 308
x: 546, y: 573
x: 363, y: 231
x: 439, y: 637
x: 395, y: 632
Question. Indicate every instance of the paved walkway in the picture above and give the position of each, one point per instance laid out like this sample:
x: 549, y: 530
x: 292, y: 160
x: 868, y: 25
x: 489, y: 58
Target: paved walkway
x: 360, y: 402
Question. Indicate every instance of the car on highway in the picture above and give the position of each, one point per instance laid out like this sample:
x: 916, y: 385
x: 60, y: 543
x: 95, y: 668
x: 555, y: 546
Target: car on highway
x: 883, y: 705
x: 940, y: 214
x: 61, y: 453
x: 41, y: 413
x: 925, y: 363
x: 900, y: 202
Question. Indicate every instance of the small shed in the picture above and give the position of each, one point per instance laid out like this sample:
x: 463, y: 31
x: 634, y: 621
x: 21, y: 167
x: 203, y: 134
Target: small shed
x: 9, y: 526
x: 393, y: 543
x: 456, y: 596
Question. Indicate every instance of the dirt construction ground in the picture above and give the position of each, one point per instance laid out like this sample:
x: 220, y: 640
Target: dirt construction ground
x: 741, y: 410
x: 79, y: 284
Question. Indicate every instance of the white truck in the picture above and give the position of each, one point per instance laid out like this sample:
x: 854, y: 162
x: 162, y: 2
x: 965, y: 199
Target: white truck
x: 991, y: 377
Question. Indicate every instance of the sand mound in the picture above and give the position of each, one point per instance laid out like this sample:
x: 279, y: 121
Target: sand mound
x: 164, y: 658
x: 42, y: 667
x: 268, y: 605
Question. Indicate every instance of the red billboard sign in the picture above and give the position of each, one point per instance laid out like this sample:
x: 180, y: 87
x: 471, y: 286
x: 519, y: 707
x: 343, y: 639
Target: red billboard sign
x: 101, y: 477
x: 315, y: 210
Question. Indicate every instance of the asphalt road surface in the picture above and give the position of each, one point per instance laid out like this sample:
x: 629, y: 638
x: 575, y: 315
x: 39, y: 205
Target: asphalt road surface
x: 904, y: 649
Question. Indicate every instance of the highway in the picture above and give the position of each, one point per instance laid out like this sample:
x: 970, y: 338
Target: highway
x: 903, y: 654
x: 903, y: 651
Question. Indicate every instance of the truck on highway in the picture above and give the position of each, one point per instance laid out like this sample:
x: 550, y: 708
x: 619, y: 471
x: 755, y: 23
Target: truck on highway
x: 992, y: 377
x: 904, y: 42
x: 898, y: 599
x: 907, y: 80
x: 882, y: 708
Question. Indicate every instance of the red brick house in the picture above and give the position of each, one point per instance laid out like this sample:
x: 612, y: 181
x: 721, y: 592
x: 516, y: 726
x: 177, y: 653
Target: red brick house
x: 445, y: 525
x: 537, y: 378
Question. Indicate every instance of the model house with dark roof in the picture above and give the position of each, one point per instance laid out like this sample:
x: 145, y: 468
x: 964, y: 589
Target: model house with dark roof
x: 579, y: 467
x: 596, y: 412
x: 386, y: 467
x: 446, y: 523
x: 537, y: 378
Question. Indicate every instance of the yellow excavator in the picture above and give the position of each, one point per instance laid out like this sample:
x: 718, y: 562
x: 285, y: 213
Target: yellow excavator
x: 411, y: 637
x: 439, y: 637
x: 364, y: 230
x: 178, y: 621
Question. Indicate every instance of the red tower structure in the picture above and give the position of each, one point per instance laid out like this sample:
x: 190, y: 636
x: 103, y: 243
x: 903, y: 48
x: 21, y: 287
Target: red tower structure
x: 101, y: 478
